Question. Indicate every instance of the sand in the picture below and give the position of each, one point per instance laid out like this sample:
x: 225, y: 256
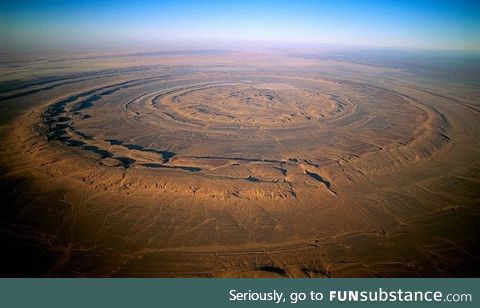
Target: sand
x: 237, y: 165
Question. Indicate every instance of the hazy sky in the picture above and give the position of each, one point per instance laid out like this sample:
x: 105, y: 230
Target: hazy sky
x: 419, y: 24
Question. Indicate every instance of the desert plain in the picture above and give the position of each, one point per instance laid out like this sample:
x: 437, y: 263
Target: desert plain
x: 237, y: 164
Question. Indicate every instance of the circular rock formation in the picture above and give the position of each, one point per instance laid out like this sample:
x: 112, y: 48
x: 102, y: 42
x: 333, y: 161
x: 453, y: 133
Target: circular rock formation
x: 254, y: 170
x: 255, y: 136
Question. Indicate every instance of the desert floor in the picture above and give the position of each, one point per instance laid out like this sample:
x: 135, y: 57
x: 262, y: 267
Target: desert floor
x: 235, y: 164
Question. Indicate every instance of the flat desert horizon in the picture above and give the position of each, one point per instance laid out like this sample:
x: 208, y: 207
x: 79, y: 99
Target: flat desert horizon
x: 240, y: 163
x: 240, y: 139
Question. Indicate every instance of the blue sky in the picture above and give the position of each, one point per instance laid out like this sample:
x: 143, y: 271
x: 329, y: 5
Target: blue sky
x: 417, y: 24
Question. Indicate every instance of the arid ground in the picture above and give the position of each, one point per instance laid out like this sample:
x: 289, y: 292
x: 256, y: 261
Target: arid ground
x: 237, y: 164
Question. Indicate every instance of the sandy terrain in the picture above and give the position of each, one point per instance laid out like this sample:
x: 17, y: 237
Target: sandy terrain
x: 237, y: 165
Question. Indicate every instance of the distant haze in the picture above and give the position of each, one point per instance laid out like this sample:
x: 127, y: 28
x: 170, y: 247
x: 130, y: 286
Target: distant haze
x: 30, y: 25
